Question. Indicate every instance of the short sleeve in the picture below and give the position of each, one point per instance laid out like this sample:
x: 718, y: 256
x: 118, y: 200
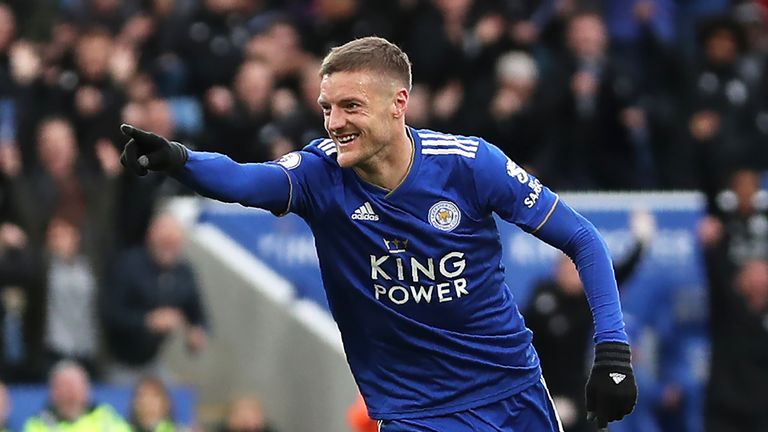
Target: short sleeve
x: 311, y: 181
x: 507, y: 189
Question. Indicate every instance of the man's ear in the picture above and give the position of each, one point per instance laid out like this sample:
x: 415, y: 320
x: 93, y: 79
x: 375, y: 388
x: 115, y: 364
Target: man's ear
x: 400, y: 105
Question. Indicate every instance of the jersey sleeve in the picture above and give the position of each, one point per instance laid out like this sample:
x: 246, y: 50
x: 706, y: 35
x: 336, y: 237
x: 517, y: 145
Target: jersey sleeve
x: 298, y: 182
x: 518, y: 197
x: 310, y: 174
x: 216, y: 176
x: 508, y: 190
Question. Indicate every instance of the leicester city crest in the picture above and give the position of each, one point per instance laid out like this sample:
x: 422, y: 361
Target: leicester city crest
x: 444, y: 215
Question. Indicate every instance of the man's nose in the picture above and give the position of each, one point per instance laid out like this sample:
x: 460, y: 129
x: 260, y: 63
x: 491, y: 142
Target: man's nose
x: 336, y: 120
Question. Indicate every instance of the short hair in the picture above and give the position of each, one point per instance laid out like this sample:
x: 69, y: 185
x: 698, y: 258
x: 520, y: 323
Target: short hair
x: 65, y: 365
x: 370, y: 54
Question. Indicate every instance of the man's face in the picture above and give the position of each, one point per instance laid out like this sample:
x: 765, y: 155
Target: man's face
x: 586, y: 37
x: 165, y: 239
x: 359, y: 110
x: 70, y: 392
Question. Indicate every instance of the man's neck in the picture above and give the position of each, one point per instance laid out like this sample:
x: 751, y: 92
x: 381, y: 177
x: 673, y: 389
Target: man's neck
x: 389, y: 168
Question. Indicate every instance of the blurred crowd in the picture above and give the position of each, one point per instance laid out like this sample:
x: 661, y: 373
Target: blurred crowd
x: 71, y: 406
x: 587, y: 94
x: 614, y: 94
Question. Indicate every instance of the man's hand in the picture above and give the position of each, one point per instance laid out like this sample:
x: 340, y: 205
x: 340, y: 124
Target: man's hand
x: 611, y: 389
x: 164, y: 320
x: 146, y: 151
x: 196, y: 339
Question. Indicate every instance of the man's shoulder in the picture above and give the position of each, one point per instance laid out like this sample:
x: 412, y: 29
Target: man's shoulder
x: 324, y: 148
x: 445, y: 147
x: 319, y: 154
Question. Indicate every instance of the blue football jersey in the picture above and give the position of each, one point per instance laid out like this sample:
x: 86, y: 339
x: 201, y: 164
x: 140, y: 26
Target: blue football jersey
x: 414, y: 277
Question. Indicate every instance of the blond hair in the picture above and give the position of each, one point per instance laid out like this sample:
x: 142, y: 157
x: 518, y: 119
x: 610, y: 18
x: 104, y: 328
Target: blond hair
x: 372, y: 54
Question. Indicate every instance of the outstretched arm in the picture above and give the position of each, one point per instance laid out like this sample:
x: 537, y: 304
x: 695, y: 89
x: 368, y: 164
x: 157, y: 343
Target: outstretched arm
x: 252, y: 184
x: 212, y: 175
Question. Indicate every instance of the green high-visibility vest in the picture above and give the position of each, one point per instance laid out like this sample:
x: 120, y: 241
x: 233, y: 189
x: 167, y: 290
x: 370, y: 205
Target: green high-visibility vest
x: 163, y: 426
x: 101, y: 419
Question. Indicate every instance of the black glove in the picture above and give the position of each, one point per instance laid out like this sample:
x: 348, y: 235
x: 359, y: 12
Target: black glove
x: 147, y: 151
x: 611, y: 388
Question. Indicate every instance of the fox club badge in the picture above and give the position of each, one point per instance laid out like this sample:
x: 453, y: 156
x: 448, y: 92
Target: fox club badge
x: 444, y: 215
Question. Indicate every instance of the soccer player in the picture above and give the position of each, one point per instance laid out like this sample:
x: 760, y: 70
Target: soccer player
x: 410, y: 253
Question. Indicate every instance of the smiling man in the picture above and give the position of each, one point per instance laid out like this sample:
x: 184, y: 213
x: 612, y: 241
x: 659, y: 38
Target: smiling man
x: 410, y: 253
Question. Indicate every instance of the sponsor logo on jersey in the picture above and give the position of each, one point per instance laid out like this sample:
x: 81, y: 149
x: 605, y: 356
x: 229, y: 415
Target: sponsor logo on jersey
x: 516, y: 171
x: 396, y: 245
x: 444, y: 215
x: 290, y: 160
x: 365, y: 212
x: 401, y: 279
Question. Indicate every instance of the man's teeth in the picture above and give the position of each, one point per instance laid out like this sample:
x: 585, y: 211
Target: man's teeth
x: 346, y: 138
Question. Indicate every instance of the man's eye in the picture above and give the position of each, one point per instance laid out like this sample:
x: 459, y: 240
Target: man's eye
x: 353, y: 105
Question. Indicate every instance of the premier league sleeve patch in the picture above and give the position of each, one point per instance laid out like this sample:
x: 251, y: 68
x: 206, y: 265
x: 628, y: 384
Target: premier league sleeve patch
x: 290, y: 160
x: 444, y: 215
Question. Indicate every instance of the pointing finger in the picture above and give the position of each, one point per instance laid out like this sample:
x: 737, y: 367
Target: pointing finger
x: 127, y: 130
x: 134, y: 132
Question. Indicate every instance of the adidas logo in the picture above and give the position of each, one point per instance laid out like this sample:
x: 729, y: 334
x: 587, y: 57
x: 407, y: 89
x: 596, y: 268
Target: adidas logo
x: 617, y: 377
x: 365, y: 212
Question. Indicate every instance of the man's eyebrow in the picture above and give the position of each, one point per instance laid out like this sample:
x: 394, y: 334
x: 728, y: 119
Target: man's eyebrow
x: 350, y: 99
x: 343, y: 101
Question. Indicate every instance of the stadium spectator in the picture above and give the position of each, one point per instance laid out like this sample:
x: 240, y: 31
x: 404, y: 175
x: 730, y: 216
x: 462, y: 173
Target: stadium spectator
x: 20, y: 308
x: 58, y: 188
x: 246, y: 414
x: 593, y: 147
x: 212, y: 44
x: 72, y: 330
x: 736, y: 252
x: 279, y: 47
x: 27, y: 68
x: 157, y: 33
x: 515, y: 114
x: 150, y: 294
x: 70, y: 406
x: 295, y: 118
x: 721, y: 121
x: 96, y: 93
x: 235, y: 116
x: 5, y: 408
x: 151, y: 407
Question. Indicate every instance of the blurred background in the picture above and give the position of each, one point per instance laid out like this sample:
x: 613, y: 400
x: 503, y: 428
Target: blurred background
x: 130, y: 302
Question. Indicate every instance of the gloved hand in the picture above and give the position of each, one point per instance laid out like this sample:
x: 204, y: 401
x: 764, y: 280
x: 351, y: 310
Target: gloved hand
x: 147, y: 151
x: 611, y: 389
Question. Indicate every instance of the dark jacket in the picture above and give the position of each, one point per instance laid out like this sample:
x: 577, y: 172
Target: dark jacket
x: 135, y: 287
